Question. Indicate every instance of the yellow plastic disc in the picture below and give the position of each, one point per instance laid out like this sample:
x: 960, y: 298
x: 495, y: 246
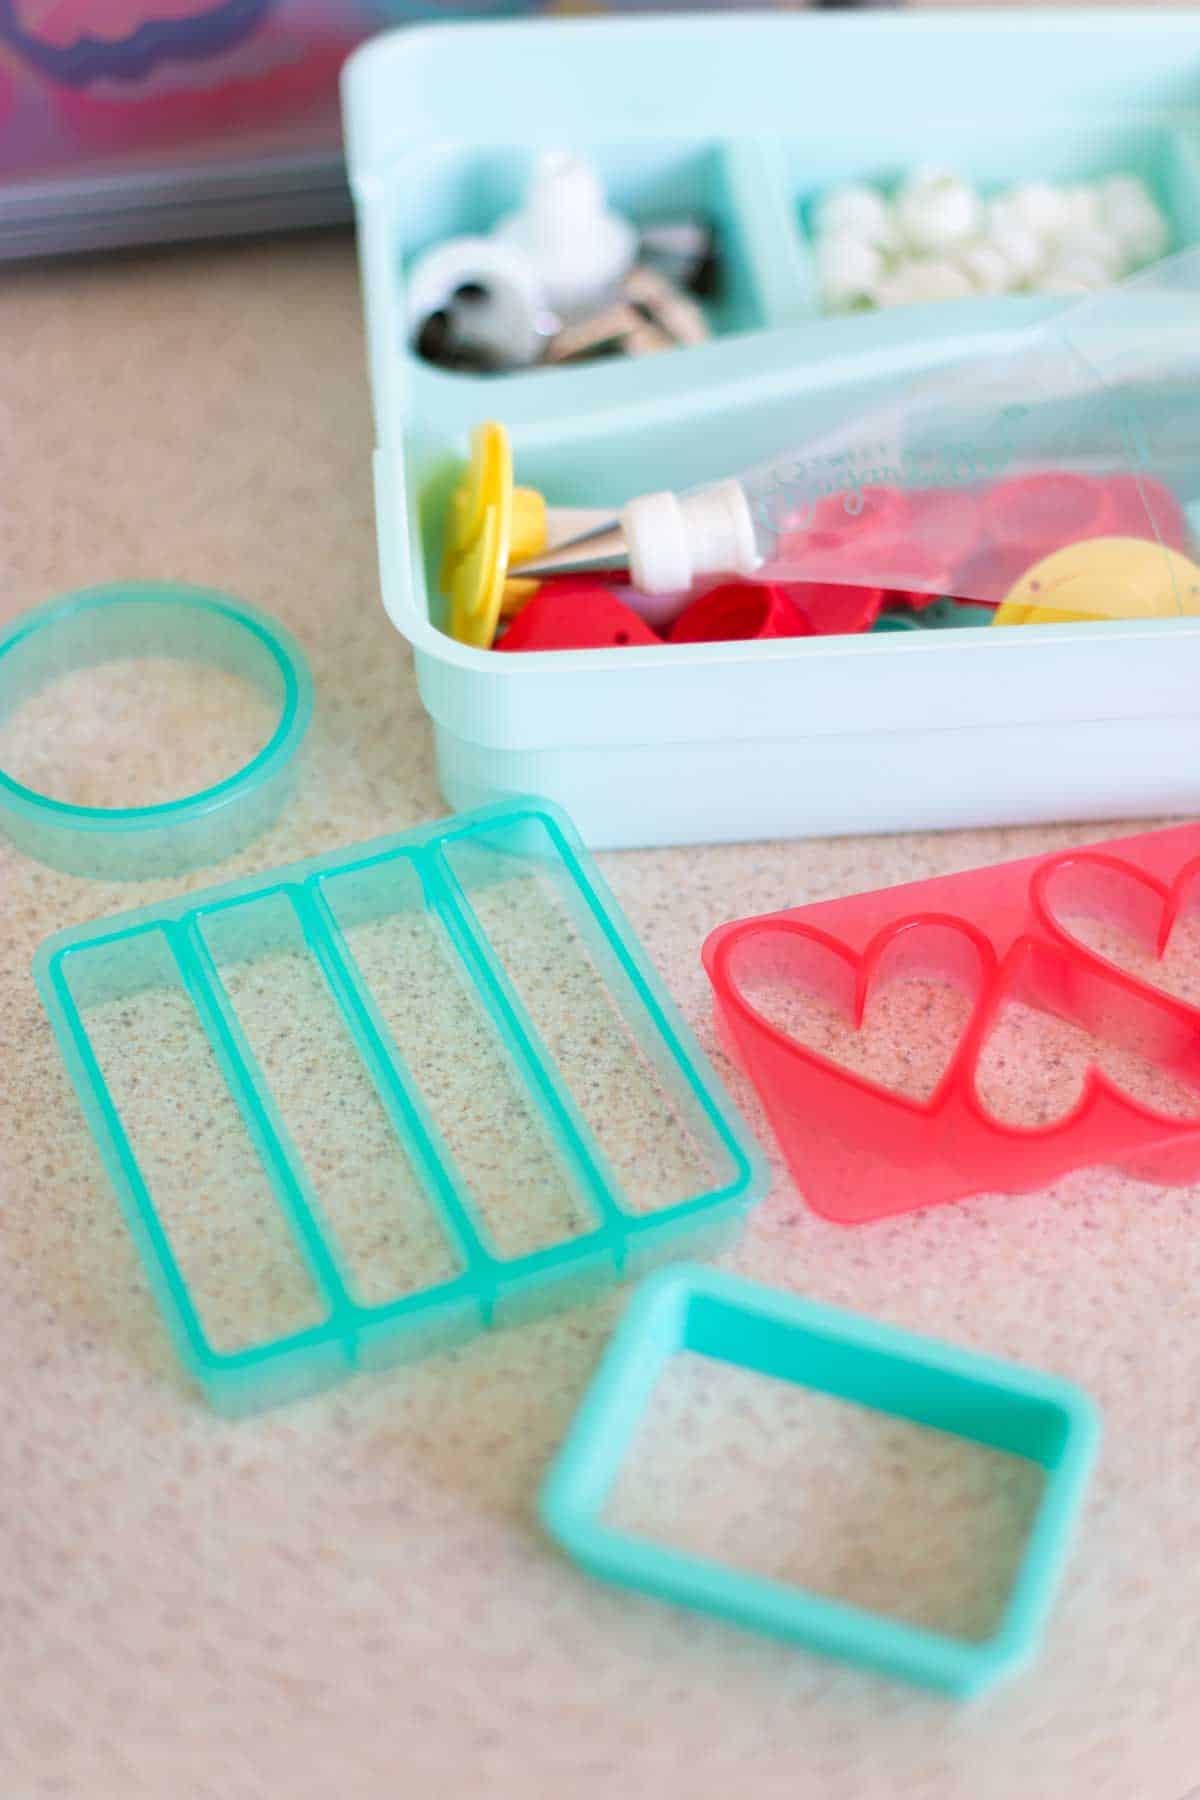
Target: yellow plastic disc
x: 1103, y: 578
x: 491, y: 523
x: 528, y: 537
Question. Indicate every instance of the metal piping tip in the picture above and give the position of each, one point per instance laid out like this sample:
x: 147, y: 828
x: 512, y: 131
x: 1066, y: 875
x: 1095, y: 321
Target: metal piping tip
x: 603, y: 548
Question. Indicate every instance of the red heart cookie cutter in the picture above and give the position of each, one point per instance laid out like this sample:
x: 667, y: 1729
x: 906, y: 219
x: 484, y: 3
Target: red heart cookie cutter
x: 1098, y: 942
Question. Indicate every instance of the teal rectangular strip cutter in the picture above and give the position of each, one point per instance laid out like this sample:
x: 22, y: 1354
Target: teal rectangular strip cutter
x: 384, y: 1099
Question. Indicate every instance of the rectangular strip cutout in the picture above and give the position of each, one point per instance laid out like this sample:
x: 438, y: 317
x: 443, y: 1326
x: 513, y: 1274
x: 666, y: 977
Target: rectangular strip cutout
x: 244, y: 1269
x: 606, y: 1047
x: 362, y: 1180
x: 526, y: 1195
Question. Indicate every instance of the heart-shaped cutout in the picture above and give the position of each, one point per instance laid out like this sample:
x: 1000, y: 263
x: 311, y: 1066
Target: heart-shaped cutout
x: 1034, y: 1068
x: 894, y: 1018
x: 1123, y: 919
x: 1061, y: 1024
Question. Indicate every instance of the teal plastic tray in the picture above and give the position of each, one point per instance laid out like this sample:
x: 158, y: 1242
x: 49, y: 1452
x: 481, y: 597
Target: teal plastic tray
x: 384, y: 1099
x: 1001, y: 1405
x: 747, y: 119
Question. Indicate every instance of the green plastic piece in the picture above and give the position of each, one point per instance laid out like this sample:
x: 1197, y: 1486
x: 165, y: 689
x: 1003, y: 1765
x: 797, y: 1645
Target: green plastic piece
x: 836, y: 1353
x: 137, y: 619
x: 955, y: 615
x: 938, y: 615
x: 896, y: 621
x: 206, y: 956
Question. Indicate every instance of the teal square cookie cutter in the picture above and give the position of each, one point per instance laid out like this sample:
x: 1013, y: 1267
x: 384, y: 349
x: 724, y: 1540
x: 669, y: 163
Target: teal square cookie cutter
x: 191, y: 950
x: 1009, y: 1408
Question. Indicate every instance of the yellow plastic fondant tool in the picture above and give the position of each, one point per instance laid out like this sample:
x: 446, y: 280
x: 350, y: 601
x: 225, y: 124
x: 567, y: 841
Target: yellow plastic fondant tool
x: 1103, y: 578
x: 491, y: 523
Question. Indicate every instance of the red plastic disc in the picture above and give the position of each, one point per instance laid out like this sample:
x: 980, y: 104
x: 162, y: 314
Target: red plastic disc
x: 739, y: 610
x: 832, y: 609
x: 1038, y: 514
x: 573, y: 612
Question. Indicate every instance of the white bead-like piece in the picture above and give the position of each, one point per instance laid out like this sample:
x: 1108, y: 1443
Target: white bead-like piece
x: 1122, y: 190
x: 924, y: 278
x: 848, y: 270
x: 1144, y: 237
x: 937, y: 210
x: 1080, y: 208
x: 985, y: 266
x: 1132, y: 216
x: 856, y: 211
x: 1021, y: 248
x: 1090, y: 245
x: 1037, y: 207
x: 938, y: 241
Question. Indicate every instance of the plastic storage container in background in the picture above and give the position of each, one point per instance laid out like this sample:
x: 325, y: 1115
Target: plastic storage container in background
x: 723, y: 741
x: 135, y: 122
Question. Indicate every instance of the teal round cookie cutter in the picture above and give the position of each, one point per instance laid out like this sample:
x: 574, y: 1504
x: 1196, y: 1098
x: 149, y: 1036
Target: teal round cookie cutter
x: 139, y: 619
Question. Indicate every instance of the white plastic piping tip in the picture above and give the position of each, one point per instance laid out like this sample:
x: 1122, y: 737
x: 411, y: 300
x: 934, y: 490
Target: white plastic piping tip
x: 578, y: 246
x: 491, y: 298
x: 664, y: 541
x: 674, y: 539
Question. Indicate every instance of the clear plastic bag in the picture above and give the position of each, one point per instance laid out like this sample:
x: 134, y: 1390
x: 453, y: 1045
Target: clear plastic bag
x: 965, y: 479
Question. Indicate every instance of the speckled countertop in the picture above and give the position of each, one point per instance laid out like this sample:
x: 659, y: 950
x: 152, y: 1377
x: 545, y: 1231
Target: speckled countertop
x: 349, y: 1596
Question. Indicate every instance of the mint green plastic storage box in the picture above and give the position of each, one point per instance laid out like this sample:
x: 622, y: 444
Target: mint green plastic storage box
x: 747, y: 118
